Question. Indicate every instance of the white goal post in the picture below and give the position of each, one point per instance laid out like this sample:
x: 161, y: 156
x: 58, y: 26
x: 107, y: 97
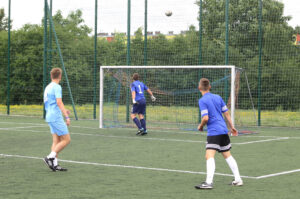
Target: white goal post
x: 232, y: 85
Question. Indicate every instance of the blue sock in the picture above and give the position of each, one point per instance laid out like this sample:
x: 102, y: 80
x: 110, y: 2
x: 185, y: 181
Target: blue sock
x: 143, y: 123
x: 137, y: 123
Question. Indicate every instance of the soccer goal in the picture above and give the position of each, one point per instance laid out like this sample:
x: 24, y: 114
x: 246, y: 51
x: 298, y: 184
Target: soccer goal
x: 176, y: 92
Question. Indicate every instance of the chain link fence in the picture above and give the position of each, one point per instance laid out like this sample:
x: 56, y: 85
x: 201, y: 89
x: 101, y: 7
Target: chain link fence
x: 251, y: 34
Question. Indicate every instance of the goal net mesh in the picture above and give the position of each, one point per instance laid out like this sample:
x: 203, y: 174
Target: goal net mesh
x: 177, y: 95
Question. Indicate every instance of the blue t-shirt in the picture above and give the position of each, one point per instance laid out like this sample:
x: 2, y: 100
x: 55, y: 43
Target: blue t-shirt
x: 52, y: 92
x: 213, y: 106
x: 139, y: 88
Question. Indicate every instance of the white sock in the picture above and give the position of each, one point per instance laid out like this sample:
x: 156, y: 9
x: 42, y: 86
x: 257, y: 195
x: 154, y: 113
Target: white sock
x: 234, y: 168
x: 55, y: 162
x: 210, y: 169
x: 52, y: 155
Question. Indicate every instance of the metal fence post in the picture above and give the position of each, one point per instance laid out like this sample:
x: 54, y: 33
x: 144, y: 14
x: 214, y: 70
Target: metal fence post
x: 226, y: 45
x: 128, y: 61
x: 200, y: 50
x: 45, y: 51
x: 61, y: 60
x: 8, y: 60
x: 259, y: 63
x: 95, y: 59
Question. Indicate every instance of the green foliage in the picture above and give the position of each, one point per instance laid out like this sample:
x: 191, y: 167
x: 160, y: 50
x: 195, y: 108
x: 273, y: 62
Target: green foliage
x: 3, y: 65
x: 281, y: 60
x: 4, y: 20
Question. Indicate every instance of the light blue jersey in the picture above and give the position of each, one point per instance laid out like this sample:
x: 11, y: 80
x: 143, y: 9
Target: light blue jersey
x: 139, y: 88
x: 52, y: 92
x: 213, y: 106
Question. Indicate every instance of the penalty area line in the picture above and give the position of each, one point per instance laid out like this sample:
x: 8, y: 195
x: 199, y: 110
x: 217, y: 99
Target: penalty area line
x: 153, y: 139
x: 160, y: 131
x: 126, y: 166
x: 22, y: 127
x: 259, y: 141
x: 278, y: 174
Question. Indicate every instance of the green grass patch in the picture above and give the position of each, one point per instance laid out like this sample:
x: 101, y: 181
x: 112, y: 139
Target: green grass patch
x: 176, y: 149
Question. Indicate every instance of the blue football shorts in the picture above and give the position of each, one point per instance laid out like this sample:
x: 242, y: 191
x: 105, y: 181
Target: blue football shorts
x: 58, y: 127
x: 139, y: 107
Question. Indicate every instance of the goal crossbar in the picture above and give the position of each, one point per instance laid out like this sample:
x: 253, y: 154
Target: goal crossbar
x: 232, y: 89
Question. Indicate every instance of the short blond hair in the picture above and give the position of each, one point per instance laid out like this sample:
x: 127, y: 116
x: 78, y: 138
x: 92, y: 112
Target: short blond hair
x: 55, y: 73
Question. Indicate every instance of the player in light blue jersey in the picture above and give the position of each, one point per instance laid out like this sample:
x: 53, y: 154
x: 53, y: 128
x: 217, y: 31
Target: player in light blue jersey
x: 212, y: 107
x: 54, y: 109
x: 139, y: 103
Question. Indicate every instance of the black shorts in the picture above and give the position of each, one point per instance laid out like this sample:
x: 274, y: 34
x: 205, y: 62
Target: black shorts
x: 220, y: 143
x: 139, y: 107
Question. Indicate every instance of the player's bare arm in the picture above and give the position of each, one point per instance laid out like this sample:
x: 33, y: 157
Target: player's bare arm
x: 204, y: 121
x: 64, y: 111
x: 133, y: 97
x: 232, y: 129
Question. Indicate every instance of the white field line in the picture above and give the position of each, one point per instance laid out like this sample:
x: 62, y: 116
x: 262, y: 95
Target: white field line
x: 121, y: 137
x: 259, y: 141
x: 157, y: 131
x: 154, y: 139
x: 278, y: 174
x: 143, y: 138
x: 126, y: 166
x: 24, y: 123
x: 22, y: 127
x: 154, y: 169
x: 152, y: 131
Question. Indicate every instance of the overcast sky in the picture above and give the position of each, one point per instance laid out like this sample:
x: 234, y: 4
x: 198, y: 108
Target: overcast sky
x: 112, y: 15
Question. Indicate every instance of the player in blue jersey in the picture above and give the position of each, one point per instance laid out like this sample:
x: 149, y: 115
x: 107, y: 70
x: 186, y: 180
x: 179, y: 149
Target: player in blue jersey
x: 212, y: 107
x: 139, y: 103
x: 54, y: 109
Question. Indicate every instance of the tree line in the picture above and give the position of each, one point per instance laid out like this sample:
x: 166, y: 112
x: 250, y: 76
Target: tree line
x: 280, y: 58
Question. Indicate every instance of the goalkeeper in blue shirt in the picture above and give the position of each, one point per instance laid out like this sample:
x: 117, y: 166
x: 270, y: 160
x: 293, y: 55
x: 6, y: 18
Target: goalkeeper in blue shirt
x: 139, y: 103
x: 54, y: 109
x: 212, y: 107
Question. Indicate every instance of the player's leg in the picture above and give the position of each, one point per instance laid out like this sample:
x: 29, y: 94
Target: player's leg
x: 213, y: 144
x: 142, y: 121
x: 62, y: 132
x: 225, y: 150
x: 49, y: 160
x: 210, y: 170
x: 143, y: 124
x: 61, y: 138
x: 234, y: 168
x: 210, y: 165
x: 64, y: 141
x: 55, y: 141
x: 135, y: 120
x: 134, y: 112
x: 137, y: 123
x: 142, y: 112
x: 60, y: 143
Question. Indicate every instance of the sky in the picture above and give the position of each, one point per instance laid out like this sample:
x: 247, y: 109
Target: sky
x: 112, y: 14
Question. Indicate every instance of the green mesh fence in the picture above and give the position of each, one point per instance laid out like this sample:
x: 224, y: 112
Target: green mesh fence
x: 173, y: 40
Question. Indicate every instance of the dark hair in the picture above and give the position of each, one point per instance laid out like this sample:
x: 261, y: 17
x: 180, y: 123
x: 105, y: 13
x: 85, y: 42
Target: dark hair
x: 204, y: 84
x: 55, y: 73
x: 135, y: 76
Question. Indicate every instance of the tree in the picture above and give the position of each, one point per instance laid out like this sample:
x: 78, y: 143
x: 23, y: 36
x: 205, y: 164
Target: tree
x: 3, y: 20
x: 279, y: 55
